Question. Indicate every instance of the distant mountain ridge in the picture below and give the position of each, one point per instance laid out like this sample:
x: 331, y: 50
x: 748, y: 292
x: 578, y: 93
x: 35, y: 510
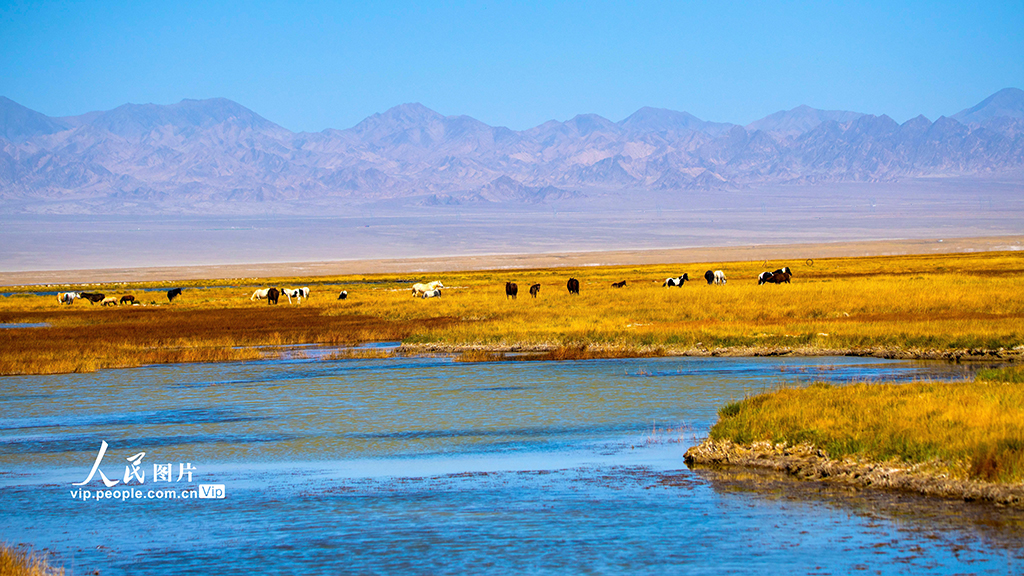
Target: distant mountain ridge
x: 211, y: 154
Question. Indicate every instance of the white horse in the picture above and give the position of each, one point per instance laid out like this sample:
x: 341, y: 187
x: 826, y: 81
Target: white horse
x: 259, y: 294
x: 419, y: 289
x: 109, y: 301
x: 296, y: 292
x: 432, y: 293
x: 68, y: 297
x: 719, y: 277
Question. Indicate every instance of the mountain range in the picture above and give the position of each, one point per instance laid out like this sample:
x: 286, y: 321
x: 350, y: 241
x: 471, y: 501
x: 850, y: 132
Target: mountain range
x: 216, y: 154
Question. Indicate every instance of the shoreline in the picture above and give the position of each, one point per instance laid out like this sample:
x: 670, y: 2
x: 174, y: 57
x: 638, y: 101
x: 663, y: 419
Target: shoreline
x: 745, y: 253
x: 805, y: 462
x: 527, y: 352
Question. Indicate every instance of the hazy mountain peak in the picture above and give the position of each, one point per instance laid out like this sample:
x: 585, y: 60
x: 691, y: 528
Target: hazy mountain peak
x: 18, y: 123
x: 799, y: 120
x: 648, y: 119
x: 1008, y: 102
x: 398, y: 118
x: 134, y: 120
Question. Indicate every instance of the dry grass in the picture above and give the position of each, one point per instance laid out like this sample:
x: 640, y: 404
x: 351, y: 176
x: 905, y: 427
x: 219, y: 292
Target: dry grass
x: 16, y: 562
x: 970, y: 430
x: 941, y: 302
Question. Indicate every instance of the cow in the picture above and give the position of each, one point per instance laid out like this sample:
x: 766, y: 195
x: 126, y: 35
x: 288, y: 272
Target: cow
x: 128, y: 299
x: 259, y: 294
x: 511, y: 290
x: 719, y: 277
x: 68, y: 297
x: 343, y: 295
x: 534, y: 290
x: 618, y: 284
x: 418, y: 289
x: 669, y: 282
x: 573, y: 285
x: 272, y: 295
x: 93, y: 297
x: 109, y: 301
x: 432, y: 293
x: 709, y: 276
x: 173, y: 293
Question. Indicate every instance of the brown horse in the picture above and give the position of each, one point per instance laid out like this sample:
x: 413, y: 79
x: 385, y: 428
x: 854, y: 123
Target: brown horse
x: 573, y: 285
x: 511, y: 290
x: 534, y: 290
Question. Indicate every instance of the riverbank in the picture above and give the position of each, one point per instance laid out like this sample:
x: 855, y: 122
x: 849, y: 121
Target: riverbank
x: 953, y: 439
x: 807, y: 462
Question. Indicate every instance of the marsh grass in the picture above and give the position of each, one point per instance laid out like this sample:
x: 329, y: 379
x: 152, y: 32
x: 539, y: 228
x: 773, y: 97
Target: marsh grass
x: 940, y: 302
x: 17, y: 562
x: 968, y: 429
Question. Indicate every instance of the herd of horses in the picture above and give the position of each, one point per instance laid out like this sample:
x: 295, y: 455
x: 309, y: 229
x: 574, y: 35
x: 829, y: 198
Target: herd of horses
x: 271, y: 295
x: 420, y: 290
x: 104, y: 300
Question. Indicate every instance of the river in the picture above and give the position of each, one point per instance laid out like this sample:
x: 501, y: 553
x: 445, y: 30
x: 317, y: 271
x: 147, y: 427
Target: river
x: 429, y: 466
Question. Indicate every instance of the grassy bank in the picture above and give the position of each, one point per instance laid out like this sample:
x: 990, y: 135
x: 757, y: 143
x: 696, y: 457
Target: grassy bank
x: 944, y: 305
x: 16, y: 562
x: 964, y: 430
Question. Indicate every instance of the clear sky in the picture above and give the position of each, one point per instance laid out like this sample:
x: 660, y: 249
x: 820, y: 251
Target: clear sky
x: 315, y: 65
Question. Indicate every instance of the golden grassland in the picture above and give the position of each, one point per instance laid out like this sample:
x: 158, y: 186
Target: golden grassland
x: 911, y: 305
x: 972, y: 430
x: 15, y: 562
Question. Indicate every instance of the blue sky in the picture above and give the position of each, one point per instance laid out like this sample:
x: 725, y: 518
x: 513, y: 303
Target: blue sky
x: 315, y: 65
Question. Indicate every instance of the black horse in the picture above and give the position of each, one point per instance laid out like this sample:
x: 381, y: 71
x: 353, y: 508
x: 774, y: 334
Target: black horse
x: 511, y: 290
x: 172, y: 294
x: 272, y: 295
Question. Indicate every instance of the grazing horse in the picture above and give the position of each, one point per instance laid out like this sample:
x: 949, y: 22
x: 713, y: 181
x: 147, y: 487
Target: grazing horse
x: 293, y: 292
x: 669, y: 282
x: 259, y: 294
x: 272, y: 295
x: 432, y: 294
x: 534, y: 290
x: 618, y: 284
x: 343, y: 295
x: 573, y: 285
x: 774, y: 278
x: 709, y: 276
x: 783, y: 270
x: 93, y: 297
x: 128, y: 299
x: 511, y: 290
x: 173, y: 293
x: 68, y: 297
x: 719, y: 277
x: 109, y: 301
x: 418, y: 289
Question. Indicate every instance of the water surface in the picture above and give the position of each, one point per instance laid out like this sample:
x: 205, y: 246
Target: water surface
x: 425, y: 465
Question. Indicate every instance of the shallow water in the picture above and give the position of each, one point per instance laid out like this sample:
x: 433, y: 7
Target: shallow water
x: 425, y: 465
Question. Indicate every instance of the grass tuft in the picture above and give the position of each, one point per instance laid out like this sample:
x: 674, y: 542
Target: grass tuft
x: 16, y: 562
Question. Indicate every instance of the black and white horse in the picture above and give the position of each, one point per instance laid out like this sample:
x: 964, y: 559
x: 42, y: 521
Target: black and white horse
x: 669, y: 282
